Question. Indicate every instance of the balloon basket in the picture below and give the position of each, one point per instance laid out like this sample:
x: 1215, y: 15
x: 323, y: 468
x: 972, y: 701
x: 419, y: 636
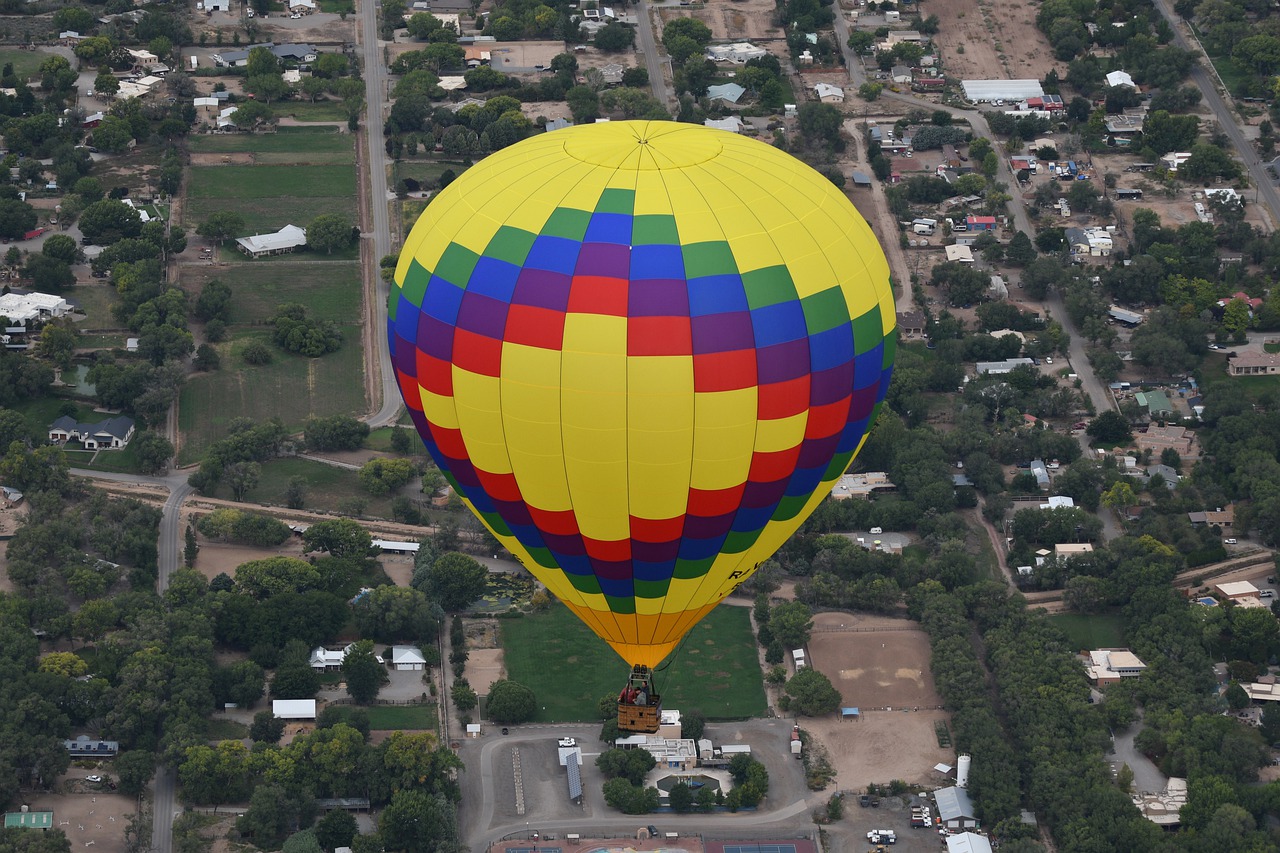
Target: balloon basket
x: 639, y: 705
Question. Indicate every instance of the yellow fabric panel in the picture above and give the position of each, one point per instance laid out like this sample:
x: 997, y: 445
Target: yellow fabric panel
x: 651, y: 195
x: 659, y: 434
x: 780, y: 433
x: 694, y: 221
x: 531, y: 424
x: 724, y: 437
x: 439, y: 409
x: 478, y: 402
x: 594, y: 411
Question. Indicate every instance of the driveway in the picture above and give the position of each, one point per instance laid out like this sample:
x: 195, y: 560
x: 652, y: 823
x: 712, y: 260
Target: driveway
x: 1146, y: 776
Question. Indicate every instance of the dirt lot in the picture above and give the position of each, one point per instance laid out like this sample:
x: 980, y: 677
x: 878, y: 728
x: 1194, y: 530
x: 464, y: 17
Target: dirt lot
x: 484, y: 653
x: 88, y: 816
x: 740, y: 20
x: 881, y: 666
x: 217, y: 557
x: 1000, y: 40
x: 6, y: 585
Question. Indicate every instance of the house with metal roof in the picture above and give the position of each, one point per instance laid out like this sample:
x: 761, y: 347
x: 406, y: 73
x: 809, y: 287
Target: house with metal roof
x: 730, y: 93
x: 287, y: 239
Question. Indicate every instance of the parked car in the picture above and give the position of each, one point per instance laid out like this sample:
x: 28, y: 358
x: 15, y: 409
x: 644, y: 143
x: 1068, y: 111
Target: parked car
x: 875, y: 530
x: 96, y: 779
x: 567, y: 741
x: 1228, y: 541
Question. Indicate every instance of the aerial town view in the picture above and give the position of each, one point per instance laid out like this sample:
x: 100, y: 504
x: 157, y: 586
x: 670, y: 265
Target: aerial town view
x: 697, y: 426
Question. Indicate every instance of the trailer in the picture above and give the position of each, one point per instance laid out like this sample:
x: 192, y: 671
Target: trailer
x: 195, y: 61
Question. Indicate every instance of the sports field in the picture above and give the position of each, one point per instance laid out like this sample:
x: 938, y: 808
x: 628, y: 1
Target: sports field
x: 715, y: 670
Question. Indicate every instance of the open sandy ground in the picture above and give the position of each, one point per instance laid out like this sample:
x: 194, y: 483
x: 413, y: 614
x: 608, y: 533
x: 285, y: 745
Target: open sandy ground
x: 94, y: 820
x: 999, y: 38
x: 881, y: 666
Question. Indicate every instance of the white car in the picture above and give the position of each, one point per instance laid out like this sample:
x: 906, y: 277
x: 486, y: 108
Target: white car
x: 1228, y: 541
x: 1048, y: 359
x: 94, y: 778
x: 876, y: 530
x: 567, y: 741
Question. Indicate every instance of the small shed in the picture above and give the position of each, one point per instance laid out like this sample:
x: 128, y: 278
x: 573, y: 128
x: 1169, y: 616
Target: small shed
x: 850, y: 714
x: 861, y: 180
x: 26, y: 819
x: 294, y: 709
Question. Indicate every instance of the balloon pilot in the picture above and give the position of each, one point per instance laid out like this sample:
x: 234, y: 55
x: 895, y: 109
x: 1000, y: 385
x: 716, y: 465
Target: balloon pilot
x: 639, y: 705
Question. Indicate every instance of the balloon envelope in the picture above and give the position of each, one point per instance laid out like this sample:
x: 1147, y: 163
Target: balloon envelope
x: 642, y: 353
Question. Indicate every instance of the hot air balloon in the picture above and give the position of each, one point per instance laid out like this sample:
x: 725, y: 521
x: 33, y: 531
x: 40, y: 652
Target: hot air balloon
x: 641, y: 353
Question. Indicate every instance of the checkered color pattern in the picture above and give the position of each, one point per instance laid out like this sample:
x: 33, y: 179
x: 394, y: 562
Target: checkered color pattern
x: 642, y: 352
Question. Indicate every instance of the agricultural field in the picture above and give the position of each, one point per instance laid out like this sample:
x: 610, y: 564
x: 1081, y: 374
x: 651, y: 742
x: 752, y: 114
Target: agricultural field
x: 273, y: 180
x: 328, y: 487
x: 715, y: 670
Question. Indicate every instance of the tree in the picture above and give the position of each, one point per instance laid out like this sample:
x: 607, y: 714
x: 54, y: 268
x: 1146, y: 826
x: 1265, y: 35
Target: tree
x: 630, y: 764
x: 1109, y: 428
x: 365, y: 676
x: 295, y: 681
x: 455, y: 581
x: 256, y: 353
x: 820, y: 122
x: 615, y: 38
x: 134, y: 770
x: 393, y: 614
x: 464, y: 696
x: 341, y: 537
x: 58, y: 343
x: 1120, y: 496
x: 267, y: 728
x: 206, y: 359
x: 418, y: 821
x: 584, y: 104
x: 329, y: 231
x: 242, y: 477
x: 221, y: 226
x: 1020, y: 250
x: 16, y: 218
x: 109, y: 221
x: 276, y: 576
x: 62, y: 247
x: 791, y: 623
x: 153, y: 451
x: 381, y: 476
x: 812, y: 693
x: 336, y: 829
x: 338, y: 432
x: 510, y: 702
x: 680, y: 798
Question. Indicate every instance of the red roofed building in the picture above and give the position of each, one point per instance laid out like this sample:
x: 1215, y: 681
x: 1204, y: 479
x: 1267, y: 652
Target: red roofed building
x: 980, y: 223
x: 1252, y: 301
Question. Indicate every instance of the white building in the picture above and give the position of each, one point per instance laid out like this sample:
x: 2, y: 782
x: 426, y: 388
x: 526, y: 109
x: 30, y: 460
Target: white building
x: 732, y: 124
x: 407, y: 659
x: 980, y: 91
x: 287, y: 239
x: 968, y: 842
x: 1108, y: 666
x: 1174, y: 159
x: 294, y: 709
x: 1120, y: 78
x: 739, y: 53
x: 829, y: 94
x: 25, y: 309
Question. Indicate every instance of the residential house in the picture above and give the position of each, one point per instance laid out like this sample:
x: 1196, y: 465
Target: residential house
x: 1121, y: 78
x: 730, y: 93
x: 1164, y: 808
x: 110, y: 434
x: 1254, y: 364
x: 1223, y: 517
x: 407, y: 659
x: 212, y: 6
x: 911, y: 324
x: 897, y: 37
x: 1041, y: 472
x: 612, y: 73
x: 10, y: 497
x: 287, y: 239
x: 1125, y: 125
x: 732, y: 124
x: 1155, y: 402
x: 980, y: 223
x: 829, y: 94
x: 1091, y: 242
x: 1171, y: 436
x: 998, y: 288
x: 87, y: 747
x: 1108, y: 666
x: 959, y: 254
x: 1236, y: 590
x: 1174, y: 159
x: 739, y: 53
x: 955, y: 809
x: 70, y: 38
x: 301, y: 7
x: 1066, y: 550
x: 1253, y: 302
x: 900, y: 74
x: 93, y: 120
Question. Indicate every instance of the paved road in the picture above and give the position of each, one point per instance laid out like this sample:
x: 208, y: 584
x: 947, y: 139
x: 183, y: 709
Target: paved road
x: 653, y: 61
x: 1267, y: 193
x: 1146, y: 775
x: 375, y: 95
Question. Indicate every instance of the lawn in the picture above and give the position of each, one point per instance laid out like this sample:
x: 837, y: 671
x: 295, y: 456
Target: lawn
x: 569, y: 668
x: 1091, y: 632
x: 292, y: 388
x: 1271, y: 347
x: 26, y: 63
x: 43, y: 411
x: 119, y: 461
x: 330, y: 291
x: 95, y: 301
x: 328, y: 487
x: 406, y: 717
x: 426, y: 170
x: 222, y: 729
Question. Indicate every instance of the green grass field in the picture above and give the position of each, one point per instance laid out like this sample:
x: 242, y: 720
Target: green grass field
x: 330, y: 291
x: 26, y: 63
x: 569, y: 668
x: 95, y: 302
x: 1091, y: 632
x: 328, y: 487
x: 119, y: 461
x: 292, y: 388
x: 317, y: 111
x: 43, y: 411
x: 424, y: 170
x: 313, y: 145
x: 406, y: 717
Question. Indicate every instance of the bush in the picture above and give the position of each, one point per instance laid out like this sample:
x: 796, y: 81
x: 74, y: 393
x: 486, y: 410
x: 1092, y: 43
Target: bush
x: 257, y: 353
x: 510, y: 702
x: 244, y: 528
